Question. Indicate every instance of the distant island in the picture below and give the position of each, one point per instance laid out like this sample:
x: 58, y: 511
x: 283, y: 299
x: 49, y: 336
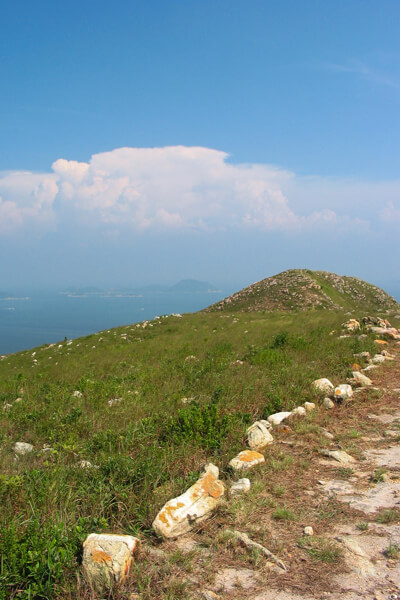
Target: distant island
x: 185, y: 286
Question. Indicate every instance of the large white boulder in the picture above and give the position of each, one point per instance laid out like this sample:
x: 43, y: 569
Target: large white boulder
x: 258, y: 435
x: 323, y: 385
x: 108, y: 558
x: 246, y: 460
x: 179, y: 515
x: 277, y: 418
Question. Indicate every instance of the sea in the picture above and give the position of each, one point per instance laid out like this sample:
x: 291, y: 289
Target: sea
x: 40, y: 318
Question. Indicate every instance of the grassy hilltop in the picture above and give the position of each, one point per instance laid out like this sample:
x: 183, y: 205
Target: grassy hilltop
x: 302, y: 289
x: 147, y: 405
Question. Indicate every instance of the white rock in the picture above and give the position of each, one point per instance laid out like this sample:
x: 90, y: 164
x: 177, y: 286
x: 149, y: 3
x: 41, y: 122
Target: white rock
x: 240, y: 487
x: 179, y: 515
x: 309, y: 406
x: 340, y: 456
x: 246, y: 460
x: 299, y: 410
x: 378, y: 359
x: 370, y: 368
x: 277, y: 418
x: 327, y: 434
x: 362, y: 355
x: 343, y: 392
x: 308, y: 531
x: 327, y: 403
x: 108, y: 558
x: 22, y: 448
x: 351, y: 325
x: 86, y: 464
x: 258, y: 435
x: 361, y: 379
x: 77, y: 394
x: 323, y: 385
x: 18, y: 400
x: 114, y: 401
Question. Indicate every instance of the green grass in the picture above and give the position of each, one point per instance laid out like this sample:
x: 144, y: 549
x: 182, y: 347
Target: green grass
x: 150, y: 446
x: 392, y: 551
x: 320, y: 549
x: 390, y: 515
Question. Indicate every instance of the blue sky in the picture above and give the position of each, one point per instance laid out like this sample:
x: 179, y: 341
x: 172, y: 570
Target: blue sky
x: 223, y: 140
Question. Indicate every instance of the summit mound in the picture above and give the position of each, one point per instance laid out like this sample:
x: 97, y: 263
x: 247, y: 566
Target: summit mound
x: 302, y: 289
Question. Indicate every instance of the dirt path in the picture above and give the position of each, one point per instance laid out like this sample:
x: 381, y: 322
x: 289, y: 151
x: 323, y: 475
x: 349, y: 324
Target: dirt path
x: 354, y: 510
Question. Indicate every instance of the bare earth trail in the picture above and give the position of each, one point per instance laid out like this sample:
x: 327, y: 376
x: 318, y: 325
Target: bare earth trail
x: 354, y: 510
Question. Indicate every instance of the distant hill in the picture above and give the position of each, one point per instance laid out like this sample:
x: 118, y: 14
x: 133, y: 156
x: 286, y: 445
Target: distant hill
x: 301, y: 289
x: 192, y: 286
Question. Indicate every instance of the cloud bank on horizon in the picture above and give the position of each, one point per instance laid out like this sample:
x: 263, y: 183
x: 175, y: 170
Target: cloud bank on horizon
x: 184, y: 188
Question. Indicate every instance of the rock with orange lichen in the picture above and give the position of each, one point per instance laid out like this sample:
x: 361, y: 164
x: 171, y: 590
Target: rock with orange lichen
x: 381, y: 342
x: 108, y: 558
x: 178, y: 516
x: 246, y: 460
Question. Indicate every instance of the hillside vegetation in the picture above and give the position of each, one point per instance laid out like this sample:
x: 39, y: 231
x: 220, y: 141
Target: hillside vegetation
x: 300, y: 289
x: 123, y: 420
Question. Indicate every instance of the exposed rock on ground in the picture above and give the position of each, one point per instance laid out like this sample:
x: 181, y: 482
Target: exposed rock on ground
x: 178, y: 516
x: 108, y: 558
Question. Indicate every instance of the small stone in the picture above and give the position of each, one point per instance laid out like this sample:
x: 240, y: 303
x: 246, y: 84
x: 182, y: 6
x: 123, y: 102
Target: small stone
x: 328, y: 404
x: 309, y: 406
x: 258, y: 435
x: 361, y: 379
x: 108, y: 558
x: 246, y: 460
x: 18, y: 400
x: 277, y: 418
x: 378, y: 359
x: 77, y: 394
x: 323, y: 385
x: 86, y: 464
x: 343, y: 392
x: 340, y: 456
x: 22, y: 448
x: 351, y: 325
x: 299, y: 411
x: 240, y: 487
x: 114, y: 401
x: 308, y: 531
x: 362, y: 355
x: 209, y: 595
x: 327, y: 434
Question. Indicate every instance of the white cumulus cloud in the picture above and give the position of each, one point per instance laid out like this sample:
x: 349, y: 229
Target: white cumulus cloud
x: 171, y: 188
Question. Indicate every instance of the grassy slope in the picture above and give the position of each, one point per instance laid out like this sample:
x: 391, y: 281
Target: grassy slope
x: 150, y: 446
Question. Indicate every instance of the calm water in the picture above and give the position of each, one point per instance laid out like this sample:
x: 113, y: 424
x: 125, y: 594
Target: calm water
x: 47, y: 318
